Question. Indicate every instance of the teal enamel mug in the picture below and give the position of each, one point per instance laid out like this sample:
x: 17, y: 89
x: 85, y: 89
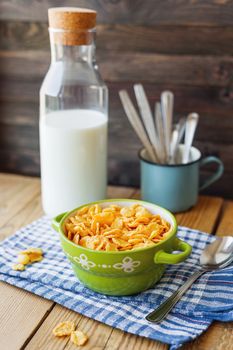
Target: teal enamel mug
x: 176, y: 186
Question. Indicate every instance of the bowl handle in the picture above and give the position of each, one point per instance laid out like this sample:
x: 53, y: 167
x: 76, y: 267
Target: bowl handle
x: 56, y: 221
x: 161, y: 257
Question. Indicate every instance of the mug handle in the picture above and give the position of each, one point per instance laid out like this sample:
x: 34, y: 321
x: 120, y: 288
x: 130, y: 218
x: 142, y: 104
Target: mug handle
x: 161, y: 257
x: 56, y: 221
x: 218, y: 173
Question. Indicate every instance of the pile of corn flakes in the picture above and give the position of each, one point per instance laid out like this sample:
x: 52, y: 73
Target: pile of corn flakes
x: 115, y: 228
x: 26, y: 257
x: 67, y: 329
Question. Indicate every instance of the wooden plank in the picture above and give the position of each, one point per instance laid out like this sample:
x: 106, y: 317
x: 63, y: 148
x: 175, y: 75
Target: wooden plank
x: 222, y: 187
x: 123, y: 168
x: 20, y: 152
x: 164, y: 39
x: 24, y: 92
x: 18, y: 110
x: 185, y: 12
x: 21, y: 202
x: 26, y: 133
x: 37, y: 63
x: 219, y: 335
x: 21, y: 116
x: 120, y: 192
x: 98, y: 332
x: 215, y: 109
x: 43, y: 335
x: 22, y: 104
x: 18, y: 307
x: 25, y: 216
x: 18, y: 197
x: 225, y: 227
x: 43, y: 338
x: 25, y: 162
x: 188, y: 70
x: 121, y: 341
x: 164, y: 69
x: 196, y: 218
x: 21, y: 312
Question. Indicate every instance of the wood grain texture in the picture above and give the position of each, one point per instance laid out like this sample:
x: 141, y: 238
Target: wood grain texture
x: 163, y: 39
x: 114, y: 66
x: 120, y: 168
x: 214, y: 104
x: 20, y: 162
x: 21, y: 313
x: 22, y: 104
x: 98, y: 333
x: 19, y: 116
x: 40, y: 316
x: 196, y: 219
x: 121, y: 341
x: 20, y: 205
x: 196, y: 12
x: 14, y: 214
x: 15, y: 198
x: 219, y: 335
x: 225, y: 227
x: 44, y: 338
x: 184, y: 46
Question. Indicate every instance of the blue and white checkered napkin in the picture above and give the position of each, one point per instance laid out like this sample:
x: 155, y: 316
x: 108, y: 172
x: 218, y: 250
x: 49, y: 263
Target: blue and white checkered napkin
x: 210, y: 298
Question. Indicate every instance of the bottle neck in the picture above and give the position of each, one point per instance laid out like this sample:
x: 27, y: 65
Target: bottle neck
x: 72, y: 46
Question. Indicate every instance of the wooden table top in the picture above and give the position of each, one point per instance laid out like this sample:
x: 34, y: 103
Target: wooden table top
x: 27, y: 320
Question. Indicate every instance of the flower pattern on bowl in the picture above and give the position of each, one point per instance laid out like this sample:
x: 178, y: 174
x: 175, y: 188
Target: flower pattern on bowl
x: 127, y: 264
x: 84, y: 262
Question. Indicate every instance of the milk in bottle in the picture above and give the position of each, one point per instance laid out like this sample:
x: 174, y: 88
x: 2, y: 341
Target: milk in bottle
x: 73, y: 115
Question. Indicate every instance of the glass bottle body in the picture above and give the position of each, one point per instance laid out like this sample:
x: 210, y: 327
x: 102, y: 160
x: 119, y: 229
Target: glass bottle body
x: 73, y: 129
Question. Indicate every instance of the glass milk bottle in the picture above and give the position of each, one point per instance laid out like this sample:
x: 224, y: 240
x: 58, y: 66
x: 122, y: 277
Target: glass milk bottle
x: 73, y: 115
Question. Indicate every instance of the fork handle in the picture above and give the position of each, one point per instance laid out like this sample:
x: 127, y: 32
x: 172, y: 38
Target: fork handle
x: 161, y: 312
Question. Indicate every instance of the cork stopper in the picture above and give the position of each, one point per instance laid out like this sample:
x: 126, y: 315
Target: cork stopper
x: 72, y: 25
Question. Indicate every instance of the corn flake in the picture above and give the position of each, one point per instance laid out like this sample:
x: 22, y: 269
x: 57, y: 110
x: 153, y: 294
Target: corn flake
x: 78, y: 337
x: 28, y: 256
x: 64, y: 329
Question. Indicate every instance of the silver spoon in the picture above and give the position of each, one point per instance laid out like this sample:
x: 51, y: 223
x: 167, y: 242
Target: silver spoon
x: 215, y: 256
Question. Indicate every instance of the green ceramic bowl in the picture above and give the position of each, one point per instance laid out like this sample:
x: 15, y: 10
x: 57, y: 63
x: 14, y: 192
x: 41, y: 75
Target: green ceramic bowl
x: 126, y: 272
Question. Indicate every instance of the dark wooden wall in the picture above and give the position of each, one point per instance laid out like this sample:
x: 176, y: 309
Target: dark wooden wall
x: 182, y: 45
